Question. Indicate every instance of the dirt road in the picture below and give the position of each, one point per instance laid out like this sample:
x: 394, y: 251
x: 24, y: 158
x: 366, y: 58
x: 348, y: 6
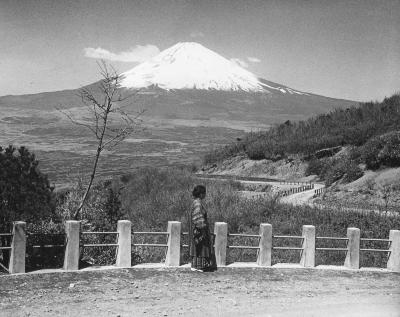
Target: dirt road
x: 180, y: 292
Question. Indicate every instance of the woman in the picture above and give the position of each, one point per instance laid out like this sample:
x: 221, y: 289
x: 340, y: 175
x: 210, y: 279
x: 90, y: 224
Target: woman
x: 200, y: 242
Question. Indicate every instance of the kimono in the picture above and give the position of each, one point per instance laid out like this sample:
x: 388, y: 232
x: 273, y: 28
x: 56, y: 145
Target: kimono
x: 201, y: 249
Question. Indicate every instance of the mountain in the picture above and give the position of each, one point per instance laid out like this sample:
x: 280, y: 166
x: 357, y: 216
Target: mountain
x: 191, y: 66
x: 189, y: 81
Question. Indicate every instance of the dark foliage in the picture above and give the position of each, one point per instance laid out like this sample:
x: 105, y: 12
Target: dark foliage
x: 25, y: 193
x: 351, y: 126
x: 383, y: 150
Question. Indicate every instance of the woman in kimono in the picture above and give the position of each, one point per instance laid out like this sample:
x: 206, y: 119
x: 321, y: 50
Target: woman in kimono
x: 200, y: 243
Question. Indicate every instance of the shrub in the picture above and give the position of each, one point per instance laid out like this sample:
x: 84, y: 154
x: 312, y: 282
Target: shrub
x: 315, y: 167
x: 342, y: 168
x: 383, y: 150
x: 25, y: 192
x: 255, y: 151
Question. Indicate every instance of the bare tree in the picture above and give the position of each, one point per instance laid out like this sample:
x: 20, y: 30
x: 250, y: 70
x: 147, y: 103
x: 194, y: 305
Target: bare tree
x: 106, y: 107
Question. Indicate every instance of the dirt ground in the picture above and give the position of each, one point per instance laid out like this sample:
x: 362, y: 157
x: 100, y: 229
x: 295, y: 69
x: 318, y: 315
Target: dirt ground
x: 180, y: 292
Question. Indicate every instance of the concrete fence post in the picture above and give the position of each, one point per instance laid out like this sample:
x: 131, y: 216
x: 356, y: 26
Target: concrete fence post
x: 221, y: 242
x: 352, y: 260
x: 308, y: 252
x: 71, y: 257
x: 18, y: 248
x: 265, y: 251
x: 393, y: 263
x: 174, y: 244
x: 124, y: 243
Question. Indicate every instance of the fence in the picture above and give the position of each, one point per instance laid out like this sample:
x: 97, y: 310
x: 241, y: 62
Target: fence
x: 265, y: 247
x: 318, y: 192
x: 295, y: 190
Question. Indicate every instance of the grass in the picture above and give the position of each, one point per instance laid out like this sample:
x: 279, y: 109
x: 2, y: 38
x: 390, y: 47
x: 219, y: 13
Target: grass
x: 152, y: 197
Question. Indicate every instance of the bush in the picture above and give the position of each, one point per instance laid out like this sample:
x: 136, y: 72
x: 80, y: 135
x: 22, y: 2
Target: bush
x: 315, y: 167
x: 342, y: 168
x: 25, y: 192
x: 383, y: 150
x: 255, y: 151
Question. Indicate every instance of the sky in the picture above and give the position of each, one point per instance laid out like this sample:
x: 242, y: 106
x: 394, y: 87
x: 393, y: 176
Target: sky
x: 344, y: 49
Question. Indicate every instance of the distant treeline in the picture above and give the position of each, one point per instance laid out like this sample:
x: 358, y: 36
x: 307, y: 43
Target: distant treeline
x: 351, y: 126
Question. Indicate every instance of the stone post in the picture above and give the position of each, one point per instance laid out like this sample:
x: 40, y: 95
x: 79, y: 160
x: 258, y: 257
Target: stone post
x: 18, y: 248
x: 393, y: 263
x: 71, y: 257
x: 265, y: 251
x: 221, y: 242
x: 308, y: 252
x: 352, y: 260
x: 124, y: 243
x: 174, y: 244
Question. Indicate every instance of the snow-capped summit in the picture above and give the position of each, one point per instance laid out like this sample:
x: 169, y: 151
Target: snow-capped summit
x: 190, y: 65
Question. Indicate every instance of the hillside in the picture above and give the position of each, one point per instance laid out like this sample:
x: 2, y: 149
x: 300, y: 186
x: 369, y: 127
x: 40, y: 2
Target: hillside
x: 356, y: 151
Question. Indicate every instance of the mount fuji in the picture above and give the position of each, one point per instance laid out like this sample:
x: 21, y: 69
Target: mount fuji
x: 191, y: 82
x: 192, y: 66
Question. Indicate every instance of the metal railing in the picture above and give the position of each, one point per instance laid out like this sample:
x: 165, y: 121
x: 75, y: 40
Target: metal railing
x: 98, y: 245
x: 288, y: 237
x: 5, y: 235
x: 244, y: 235
x: 332, y: 249
x: 376, y: 240
x: 43, y: 245
x: 154, y: 233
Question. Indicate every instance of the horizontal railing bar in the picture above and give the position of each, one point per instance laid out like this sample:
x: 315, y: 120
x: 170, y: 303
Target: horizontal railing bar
x: 374, y: 250
x: 289, y: 237
x: 244, y: 235
x: 100, y: 232
x: 100, y: 245
x: 287, y: 248
x: 149, y: 232
x: 6, y: 234
x: 185, y: 245
x: 331, y: 249
x: 331, y: 238
x: 45, y: 234
x: 48, y: 246
x: 185, y: 233
x: 149, y: 245
x: 5, y: 248
x: 382, y: 240
x: 242, y: 247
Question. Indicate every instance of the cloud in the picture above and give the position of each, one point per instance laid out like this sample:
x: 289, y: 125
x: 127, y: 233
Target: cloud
x: 197, y: 34
x: 140, y: 53
x: 253, y: 59
x: 239, y: 62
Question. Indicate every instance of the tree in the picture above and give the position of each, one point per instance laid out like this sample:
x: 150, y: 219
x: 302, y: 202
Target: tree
x: 25, y: 192
x: 109, y: 123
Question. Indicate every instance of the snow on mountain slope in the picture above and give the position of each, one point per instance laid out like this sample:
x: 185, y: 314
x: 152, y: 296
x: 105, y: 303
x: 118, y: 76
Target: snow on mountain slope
x: 190, y: 65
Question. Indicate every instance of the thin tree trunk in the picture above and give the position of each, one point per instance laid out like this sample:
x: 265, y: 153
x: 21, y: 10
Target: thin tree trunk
x: 99, y: 149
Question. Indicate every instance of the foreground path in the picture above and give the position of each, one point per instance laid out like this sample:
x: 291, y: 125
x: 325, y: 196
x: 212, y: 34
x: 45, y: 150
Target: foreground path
x: 180, y: 292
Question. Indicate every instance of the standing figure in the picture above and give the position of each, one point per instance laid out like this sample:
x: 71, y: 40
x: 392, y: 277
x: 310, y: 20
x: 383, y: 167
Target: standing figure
x: 200, y: 242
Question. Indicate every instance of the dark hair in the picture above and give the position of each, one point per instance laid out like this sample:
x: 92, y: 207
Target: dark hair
x: 198, y: 190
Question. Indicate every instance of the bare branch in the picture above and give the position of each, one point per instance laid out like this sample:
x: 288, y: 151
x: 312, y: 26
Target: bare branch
x: 106, y: 108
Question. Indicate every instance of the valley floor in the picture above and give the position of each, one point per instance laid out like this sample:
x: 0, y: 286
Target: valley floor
x: 180, y: 292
